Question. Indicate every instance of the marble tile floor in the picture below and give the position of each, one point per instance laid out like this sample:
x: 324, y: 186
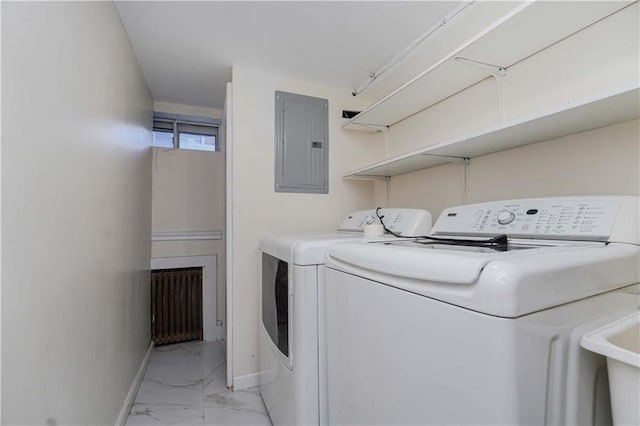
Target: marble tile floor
x: 185, y: 384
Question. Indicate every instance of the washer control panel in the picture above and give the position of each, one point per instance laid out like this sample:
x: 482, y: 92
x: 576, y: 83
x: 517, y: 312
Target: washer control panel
x: 559, y: 218
x: 406, y: 222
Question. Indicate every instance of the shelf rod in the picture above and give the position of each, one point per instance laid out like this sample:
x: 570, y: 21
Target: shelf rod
x: 447, y: 57
x: 397, y: 60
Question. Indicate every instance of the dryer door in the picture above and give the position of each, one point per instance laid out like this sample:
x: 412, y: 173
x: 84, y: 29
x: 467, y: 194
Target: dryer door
x: 275, y: 301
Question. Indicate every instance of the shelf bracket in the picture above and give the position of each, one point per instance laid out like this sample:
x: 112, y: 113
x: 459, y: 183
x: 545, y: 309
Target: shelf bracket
x: 495, y: 70
x: 385, y: 130
x: 379, y: 127
x: 498, y: 73
x: 450, y: 158
x: 369, y: 177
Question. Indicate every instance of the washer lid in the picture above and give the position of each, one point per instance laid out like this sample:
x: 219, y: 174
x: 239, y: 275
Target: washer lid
x: 452, y: 264
x: 506, y: 284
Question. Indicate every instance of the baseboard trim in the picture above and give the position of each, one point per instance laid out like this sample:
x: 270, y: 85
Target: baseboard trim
x: 133, y: 390
x: 246, y: 381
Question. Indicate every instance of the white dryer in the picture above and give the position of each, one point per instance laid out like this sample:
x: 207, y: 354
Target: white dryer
x: 292, y: 268
x: 474, y: 329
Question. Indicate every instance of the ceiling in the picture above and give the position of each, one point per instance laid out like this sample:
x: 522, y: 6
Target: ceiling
x: 186, y: 49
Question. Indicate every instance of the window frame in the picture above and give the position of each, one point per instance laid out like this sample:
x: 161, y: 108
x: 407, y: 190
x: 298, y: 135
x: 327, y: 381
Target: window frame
x: 179, y: 123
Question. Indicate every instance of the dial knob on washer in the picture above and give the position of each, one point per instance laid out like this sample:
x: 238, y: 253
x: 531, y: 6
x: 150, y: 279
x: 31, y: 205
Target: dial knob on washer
x: 505, y: 217
x: 370, y: 220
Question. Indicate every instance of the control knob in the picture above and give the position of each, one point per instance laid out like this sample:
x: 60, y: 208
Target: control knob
x: 505, y: 217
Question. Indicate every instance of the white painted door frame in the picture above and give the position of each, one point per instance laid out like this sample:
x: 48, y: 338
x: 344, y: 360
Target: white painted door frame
x: 227, y: 122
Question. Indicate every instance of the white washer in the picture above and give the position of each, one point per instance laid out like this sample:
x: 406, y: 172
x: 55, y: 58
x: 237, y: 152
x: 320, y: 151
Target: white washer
x: 292, y: 266
x: 428, y: 333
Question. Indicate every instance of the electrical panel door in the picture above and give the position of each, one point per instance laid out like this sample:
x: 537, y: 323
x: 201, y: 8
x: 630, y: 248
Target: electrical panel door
x: 302, y: 151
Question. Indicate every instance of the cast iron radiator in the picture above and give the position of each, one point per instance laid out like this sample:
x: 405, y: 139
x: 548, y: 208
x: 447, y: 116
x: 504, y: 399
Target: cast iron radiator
x: 176, y: 305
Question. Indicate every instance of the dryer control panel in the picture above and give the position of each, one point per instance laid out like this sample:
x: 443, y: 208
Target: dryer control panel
x: 571, y: 218
x: 405, y: 222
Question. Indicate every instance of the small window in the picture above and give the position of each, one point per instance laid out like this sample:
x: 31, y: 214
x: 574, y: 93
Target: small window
x: 178, y: 132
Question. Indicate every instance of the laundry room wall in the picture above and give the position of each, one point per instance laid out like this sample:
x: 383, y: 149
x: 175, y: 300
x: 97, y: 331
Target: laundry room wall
x: 188, y: 189
x: 190, y: 110
x: 188, y: 196
x: 76, y: 213
x: 258, y: 209
x: 598, y: 162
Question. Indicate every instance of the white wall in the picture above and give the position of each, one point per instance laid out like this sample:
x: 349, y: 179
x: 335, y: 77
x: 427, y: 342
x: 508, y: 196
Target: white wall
x: 76, y: 213
x: 196, y: 111
x: 188, y: 196
x: 258, y: 210
x: 187, y: 190
x: 604, y: 161
x: 600, y: 162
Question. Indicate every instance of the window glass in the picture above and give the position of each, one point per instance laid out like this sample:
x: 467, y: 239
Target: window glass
x: 163, y: 139
x: 195, y: 133
x: 199, y: 142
